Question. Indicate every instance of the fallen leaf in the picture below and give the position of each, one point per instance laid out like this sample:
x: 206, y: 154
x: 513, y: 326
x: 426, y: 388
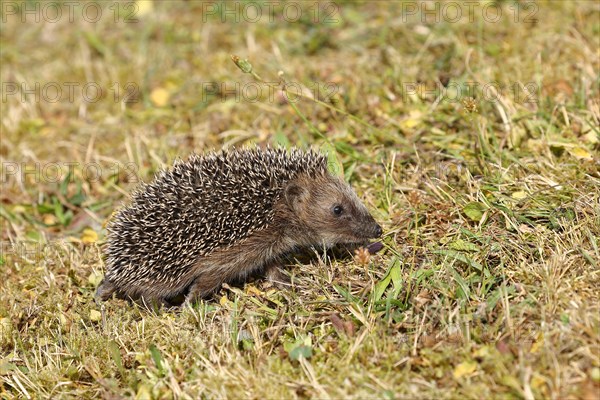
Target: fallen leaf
x: 144, y: 7
x: 337, y: 323
x: 300, y: 348
x: 464, y: 368
x: 251, y: 289
x: 160, y: 97
x: 503, y: 347
x: 49, y: 219
x: 89, y: 236
x: 482, y: 352
x: 6, y: 368
x: 95, y: 316
x: 523, y: 228
x: 413, y: 120
x: 539, y: 342
x: 462, y: 245
x: 224, y: 301
x: 423, y: 298
x: 144, y: 392
x: 520, y: 195
x: 581, y: 153
x: 95, y: 278
x: 474, y: 210
x: 349, y: 328
x: 537, y: 382
x: 429, y: 340
x: 590, y: 137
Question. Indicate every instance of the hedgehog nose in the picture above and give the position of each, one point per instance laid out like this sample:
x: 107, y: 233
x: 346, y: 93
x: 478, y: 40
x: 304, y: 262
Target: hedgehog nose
x: 378, y: 230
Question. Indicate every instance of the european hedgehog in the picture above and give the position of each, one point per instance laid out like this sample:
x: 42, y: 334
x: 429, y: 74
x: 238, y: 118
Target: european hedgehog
x: 223, y: 216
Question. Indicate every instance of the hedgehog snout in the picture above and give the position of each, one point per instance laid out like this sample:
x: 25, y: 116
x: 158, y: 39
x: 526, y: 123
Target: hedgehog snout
x: 369, y: 228
x: 378, y: 231
x: 375, y: 231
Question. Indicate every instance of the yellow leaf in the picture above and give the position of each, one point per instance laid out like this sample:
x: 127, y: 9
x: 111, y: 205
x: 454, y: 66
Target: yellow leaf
x: 482, y: 352
x: 581, y: 153
x: 464, y: 368
x: 160, y: 97
x: 537, y: 382
x: 535, y: 145
x: 414, y: 119
x: 5, y: 326
x: 89, y: 236
x: 144, y: 392
x: 224, y: 301
x: 523, y: 228
x: 539, y: 342
x: 250, y: 289
x: 520, y: 195
x: 49, y: 219
x: 19, y: 210
x: 410, y: 123
x: 46, y: 130
x: 144, y: 7
x: 590, y: 137
x: 63, y: 320
x: 73, y: 239
x: 95, y: 279
x: 95, y: 316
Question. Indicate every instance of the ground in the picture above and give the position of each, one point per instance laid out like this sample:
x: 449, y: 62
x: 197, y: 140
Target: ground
x: 473, y: 141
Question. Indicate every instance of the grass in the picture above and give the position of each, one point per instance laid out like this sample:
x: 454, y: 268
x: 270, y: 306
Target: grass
x: 488, y: 283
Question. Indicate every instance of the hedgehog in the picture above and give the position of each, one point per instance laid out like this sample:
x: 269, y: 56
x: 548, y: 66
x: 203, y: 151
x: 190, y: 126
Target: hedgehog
x: 224, y: 216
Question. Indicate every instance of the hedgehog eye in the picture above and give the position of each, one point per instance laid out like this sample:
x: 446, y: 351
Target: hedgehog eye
x: 338, y: 210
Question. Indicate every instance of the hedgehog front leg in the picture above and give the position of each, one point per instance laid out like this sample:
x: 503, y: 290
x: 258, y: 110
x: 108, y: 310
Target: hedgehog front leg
x: 275, y: 275
x: 203, y: 286
x: 105, y: 290
x: 208, y: 282
x: 259, y: 251
x: 211, y: 272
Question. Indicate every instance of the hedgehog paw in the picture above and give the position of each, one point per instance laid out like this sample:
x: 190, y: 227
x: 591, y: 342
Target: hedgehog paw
x: 200, y: 289
x: 105, y: 290
x: 278, y: 278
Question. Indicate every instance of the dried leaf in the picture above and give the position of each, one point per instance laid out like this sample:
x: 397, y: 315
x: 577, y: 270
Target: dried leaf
x: 482, y: 352
x: 251, y: 289
x: 474, y: 210
x: 337, y: 323
x: 519, y: 195
x: 95, y: 278
x: 144, y: 7
x: 462, y: 245
x: 89, y: 236
x: 300, y: 348
x: 95, y: 316
x: 160, y: 97
x: 224, y: 301
x: 581, y: 153
x: 464, y: 368
x: 539, y: 342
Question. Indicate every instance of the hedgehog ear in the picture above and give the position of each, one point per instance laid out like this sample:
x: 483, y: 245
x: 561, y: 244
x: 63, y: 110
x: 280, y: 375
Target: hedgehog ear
x: 295, y: 195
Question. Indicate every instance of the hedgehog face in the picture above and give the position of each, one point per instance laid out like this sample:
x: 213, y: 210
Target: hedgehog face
x: 329, y: 209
